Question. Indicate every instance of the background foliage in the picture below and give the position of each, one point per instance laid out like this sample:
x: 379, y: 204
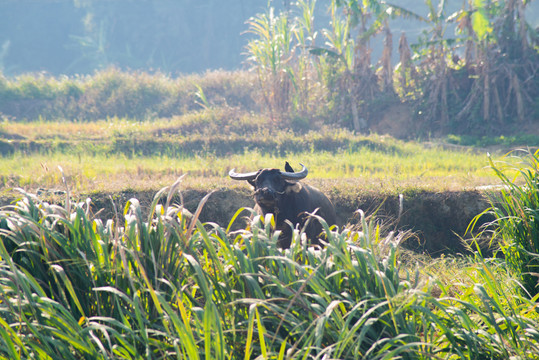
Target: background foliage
x: 481, y: 78
x: 81, y: 36
x: 471, y: 71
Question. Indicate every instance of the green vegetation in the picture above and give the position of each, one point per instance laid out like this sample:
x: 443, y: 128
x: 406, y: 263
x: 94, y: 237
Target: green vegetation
x: 477, y: 81
x: 157, y: 283
x: 112, y: 93
x: 118, y: 153
x: 166, y: 285
x: 515, y: 208
x: 502, y: 141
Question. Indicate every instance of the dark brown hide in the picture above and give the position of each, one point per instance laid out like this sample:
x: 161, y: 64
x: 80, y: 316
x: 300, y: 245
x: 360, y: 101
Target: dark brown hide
x: 289, y: 200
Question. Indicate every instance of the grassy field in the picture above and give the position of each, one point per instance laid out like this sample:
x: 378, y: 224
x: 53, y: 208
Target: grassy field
x: 121, y: 153
x: 153, y: 281
x: 121, y: 158
x: 433, y: 168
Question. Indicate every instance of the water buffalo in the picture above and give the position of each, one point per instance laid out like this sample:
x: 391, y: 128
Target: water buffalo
x: 282, y: 194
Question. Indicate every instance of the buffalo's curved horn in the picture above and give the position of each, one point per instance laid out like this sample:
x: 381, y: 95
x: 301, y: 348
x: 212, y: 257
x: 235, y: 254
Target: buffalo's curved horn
x: 242, y: 176
x: 295, y: 175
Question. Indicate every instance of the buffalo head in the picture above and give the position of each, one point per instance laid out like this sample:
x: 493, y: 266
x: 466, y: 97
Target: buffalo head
x: 272, y: 185
x: 282, y: 194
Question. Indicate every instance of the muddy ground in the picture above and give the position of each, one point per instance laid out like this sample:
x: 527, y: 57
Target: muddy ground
x: 437, y: 220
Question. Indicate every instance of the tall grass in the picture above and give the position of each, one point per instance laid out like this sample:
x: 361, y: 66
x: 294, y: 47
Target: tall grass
x: 111, y: 92
x: 167, y: 286
x: 515, y: 209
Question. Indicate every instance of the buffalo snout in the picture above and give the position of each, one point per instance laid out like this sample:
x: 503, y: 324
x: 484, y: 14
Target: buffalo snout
x: 266, y: 197
x: 265, y: 193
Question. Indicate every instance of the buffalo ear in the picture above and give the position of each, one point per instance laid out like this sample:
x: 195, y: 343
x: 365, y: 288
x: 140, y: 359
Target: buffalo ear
x: 252, y: 182
x: 288, y: 168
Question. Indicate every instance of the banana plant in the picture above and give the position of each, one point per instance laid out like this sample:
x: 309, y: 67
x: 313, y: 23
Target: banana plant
x: 347, y: 53
x: 490, y: 29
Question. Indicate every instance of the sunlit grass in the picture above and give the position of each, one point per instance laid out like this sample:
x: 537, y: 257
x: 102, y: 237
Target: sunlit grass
x: 107, y: 155
x: 99, y: 129
x: 413, y: 165
x: 168, y: 286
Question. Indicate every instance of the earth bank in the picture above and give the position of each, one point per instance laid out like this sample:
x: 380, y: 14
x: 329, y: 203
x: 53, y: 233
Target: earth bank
x: 437, y: 220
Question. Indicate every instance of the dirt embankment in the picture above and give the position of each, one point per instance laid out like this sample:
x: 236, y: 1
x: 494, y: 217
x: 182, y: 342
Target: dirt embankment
x: 438, y: 220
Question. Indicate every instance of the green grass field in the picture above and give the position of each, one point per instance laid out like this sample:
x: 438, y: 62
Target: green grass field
x: 119, y: 153
x: 435, y: 168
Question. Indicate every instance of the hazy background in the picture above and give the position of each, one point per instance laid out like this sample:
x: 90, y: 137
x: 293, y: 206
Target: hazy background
x: 173, y: 36
x: 70, y: 36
